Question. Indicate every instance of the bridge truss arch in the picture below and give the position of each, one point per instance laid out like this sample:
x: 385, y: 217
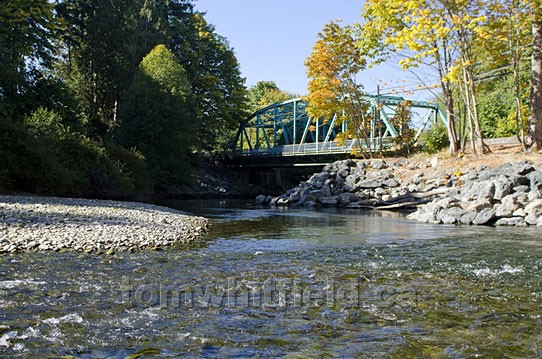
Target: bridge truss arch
x: 285, y: 129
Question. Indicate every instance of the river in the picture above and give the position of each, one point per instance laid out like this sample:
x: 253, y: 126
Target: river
x: 284, y: 283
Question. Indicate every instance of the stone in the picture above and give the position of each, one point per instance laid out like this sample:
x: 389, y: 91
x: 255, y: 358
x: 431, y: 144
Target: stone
x: 535, y: 181
x: 329, y: 201
x: 347, y: 198
x: 511, y: 221
x: 294, y: 196
x: 379, y: 164
x: 519, y: 213
x: 483, y: 190
x: 391, y: 183
x: 434, y: 162
x: 319, y: 177
x: 261, y: 200
x: 534, y: 208
x: 507, y: 207
x: 343, y: 173
x: 521, y: 189
x: 451, y: 215
x: 503, y: 187
x: 485, y: 216
x: 369, y: 183
x: 326, y: 191
x: 352, y: 180
x: 468, y: 217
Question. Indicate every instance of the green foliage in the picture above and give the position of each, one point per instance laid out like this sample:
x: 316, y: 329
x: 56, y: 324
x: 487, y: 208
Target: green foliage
x: 215, y: 77
x: 497, y: 105
x: 28, y: 29
x: 71, y: 86
x: 45, y: 156
x: 158, y: 116
x: 402, y: 121
x: 266, y: 93
x: 435, y: 139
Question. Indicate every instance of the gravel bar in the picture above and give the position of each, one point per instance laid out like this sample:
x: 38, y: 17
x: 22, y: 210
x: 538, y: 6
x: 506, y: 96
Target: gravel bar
x: 29, y: 223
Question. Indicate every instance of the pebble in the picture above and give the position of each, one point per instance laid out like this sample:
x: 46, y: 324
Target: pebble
x: 31, y: 223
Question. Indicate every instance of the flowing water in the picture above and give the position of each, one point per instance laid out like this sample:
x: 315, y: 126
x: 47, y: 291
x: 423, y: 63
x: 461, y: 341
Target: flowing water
x: 284, y: 283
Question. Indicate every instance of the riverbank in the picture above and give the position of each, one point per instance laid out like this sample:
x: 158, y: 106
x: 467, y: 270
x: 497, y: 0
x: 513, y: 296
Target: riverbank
x: 29, y: 223
x: 498, y: 189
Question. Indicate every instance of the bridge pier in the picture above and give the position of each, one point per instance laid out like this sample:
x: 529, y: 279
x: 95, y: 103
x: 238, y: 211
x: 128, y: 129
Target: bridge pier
x: 274, y: 180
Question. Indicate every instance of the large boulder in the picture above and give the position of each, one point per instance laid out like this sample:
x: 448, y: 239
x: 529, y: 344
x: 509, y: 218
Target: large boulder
x: 486, y: 216
x: 261, y: 200
x: 329, y: 201
x: 482, y: 191
x: 507, y: 207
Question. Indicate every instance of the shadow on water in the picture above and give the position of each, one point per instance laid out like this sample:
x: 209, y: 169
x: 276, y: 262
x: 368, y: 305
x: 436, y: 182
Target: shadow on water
x: 278, y: 282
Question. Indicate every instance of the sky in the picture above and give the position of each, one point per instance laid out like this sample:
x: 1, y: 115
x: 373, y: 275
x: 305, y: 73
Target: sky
x: 272, y: 38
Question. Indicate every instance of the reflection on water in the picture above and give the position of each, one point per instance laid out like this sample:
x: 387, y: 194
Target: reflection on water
x: 275, y: 283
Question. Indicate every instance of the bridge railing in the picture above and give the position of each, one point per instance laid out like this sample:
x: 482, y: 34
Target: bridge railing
x: 285, y: 129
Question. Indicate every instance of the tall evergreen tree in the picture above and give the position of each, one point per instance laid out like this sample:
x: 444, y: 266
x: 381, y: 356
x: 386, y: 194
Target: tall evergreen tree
x: 214, y: 72
x: 28, y: 29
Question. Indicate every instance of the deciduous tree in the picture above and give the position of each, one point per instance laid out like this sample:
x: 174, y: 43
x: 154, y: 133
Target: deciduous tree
x: 333, y: 90
x: 158, y: 116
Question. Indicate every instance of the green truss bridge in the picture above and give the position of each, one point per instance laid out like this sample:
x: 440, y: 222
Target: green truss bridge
x: 285, y: 129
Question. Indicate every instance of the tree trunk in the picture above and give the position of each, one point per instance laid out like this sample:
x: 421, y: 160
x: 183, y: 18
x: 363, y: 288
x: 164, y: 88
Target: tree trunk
x: 535, y: 120
x: 452, y: 134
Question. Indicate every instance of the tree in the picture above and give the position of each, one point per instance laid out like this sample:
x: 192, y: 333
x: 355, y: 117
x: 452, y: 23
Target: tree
x: 332, y: 68
x: 506, y: 40
x: 158, y: 116
x: 427, y: 33
x: 105, y: 41
x: 28, y: 30
x: 213, y: 70
x: 266, y: 93
x: 535, y: 121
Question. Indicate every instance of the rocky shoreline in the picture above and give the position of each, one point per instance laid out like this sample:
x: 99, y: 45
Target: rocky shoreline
x: 507, y: 195
x: 30, y: 223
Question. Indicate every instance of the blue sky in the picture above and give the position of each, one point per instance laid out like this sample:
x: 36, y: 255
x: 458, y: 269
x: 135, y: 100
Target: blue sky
x: 272, y: 38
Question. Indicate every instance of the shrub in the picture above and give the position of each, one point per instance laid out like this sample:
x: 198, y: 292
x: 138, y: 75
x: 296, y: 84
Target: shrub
x: 435, y: 139
x: 44, y: 156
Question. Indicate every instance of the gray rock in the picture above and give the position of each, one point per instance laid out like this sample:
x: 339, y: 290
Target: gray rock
x: 519, y: 213
x: 319, y: 177
x: 483, y: 190
x: 451, y: 215
x: 282, y: 202
x: 369, y: 183
x: 521, y: 189
x: 352, y: 180
x: 379, y: 164
x: 261, y: 200
x: 485, y: 216
x: 511, y: 221
x: 477, y: 205
x: 329, y: 201
x: 343, y: 173
x: 535, y: 180
x: 503, y: 187
x: 507, y: 207
x: 294, y: 196
x: 347, y: 198
x: 307, y: 197
x: 534, y: 208
x: 392, y: 183
x: 468, y: 217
